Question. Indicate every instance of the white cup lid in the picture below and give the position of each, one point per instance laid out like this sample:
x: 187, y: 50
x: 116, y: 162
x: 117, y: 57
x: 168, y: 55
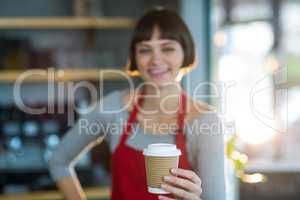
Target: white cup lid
x: 161, y: 149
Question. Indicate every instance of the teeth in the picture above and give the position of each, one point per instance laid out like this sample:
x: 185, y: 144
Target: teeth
x: 157, y: 71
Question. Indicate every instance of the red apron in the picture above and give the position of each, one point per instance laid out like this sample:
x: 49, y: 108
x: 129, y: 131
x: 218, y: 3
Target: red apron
x: 128, y: 165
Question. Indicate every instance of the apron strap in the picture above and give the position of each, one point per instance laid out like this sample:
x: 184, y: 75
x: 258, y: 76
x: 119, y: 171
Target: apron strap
x: 180, y: 137
x: 132, y: 118
x: 181, y: 112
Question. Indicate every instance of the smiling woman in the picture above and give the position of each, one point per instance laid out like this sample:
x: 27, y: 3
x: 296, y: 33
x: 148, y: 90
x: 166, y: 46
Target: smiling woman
x: 159, y: 60
x: 169, y: 28
x: 158, y: 111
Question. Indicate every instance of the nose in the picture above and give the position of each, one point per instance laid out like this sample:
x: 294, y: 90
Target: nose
x: 156, y: 57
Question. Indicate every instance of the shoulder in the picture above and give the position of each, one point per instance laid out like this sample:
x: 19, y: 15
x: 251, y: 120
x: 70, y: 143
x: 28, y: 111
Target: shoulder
x: 108, y: 103
x: 206, y: 134
x: 128, y: 97
x: 112, y: 95
x: 112, y: 98
x: 203, y: 119
x: 198, y: 110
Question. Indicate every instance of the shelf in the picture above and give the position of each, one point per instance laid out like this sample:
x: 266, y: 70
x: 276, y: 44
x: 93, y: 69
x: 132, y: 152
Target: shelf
x: 91, y: 193
x: 43, y: 75
x: 65, y: 23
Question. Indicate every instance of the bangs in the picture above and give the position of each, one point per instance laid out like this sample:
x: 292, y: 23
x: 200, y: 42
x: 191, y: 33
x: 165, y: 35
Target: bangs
x: 166, y: 25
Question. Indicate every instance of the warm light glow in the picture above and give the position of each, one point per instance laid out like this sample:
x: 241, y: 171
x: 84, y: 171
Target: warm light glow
x: 272, y: 64
x: 220, y: 39
x: 244, y: 158
x: 133, y: 73
x: 239, y: 156
x: 253, y: 178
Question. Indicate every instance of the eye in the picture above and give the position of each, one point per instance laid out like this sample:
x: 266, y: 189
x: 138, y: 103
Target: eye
x: 144, y: 50
x: 168, y: 49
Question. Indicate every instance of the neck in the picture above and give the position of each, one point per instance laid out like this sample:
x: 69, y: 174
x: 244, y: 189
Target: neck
x: 163, y: 98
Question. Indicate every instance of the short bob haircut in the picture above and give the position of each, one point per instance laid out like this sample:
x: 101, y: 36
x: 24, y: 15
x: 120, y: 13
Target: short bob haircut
x: 171, y: 26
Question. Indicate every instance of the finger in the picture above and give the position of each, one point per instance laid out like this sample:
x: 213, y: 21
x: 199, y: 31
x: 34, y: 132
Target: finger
x: 189, y: 174
x: 177, y: 191
x: 160, y: 197
x: 183, y: 183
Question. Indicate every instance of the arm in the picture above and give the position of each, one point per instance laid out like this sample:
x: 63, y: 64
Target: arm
x: 207, y: 182
x: 71, y: 188
x: 209, y: 146
x: 85, y: 134
x: 76, y: 142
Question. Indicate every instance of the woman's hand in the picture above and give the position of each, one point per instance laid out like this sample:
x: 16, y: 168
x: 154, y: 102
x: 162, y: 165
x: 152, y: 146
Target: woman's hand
x: 183, y: 184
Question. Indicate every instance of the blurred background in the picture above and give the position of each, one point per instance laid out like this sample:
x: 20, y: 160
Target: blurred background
x: 249, y: 62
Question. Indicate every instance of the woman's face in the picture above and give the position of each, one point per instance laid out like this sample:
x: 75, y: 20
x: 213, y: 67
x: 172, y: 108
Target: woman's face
x: 159, y: 60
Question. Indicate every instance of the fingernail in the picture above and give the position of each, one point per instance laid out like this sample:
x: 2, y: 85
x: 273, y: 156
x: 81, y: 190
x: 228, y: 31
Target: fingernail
x: 173, y: 170
x: 166, y: 178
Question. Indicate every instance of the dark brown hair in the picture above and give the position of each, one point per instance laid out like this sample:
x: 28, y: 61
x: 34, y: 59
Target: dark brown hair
x: 171, y: 26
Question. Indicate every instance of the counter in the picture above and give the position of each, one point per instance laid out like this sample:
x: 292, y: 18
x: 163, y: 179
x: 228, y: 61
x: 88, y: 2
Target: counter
x: 91, y: 193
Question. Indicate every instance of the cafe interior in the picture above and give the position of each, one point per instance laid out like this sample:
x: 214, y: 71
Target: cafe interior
x: 248, y: 51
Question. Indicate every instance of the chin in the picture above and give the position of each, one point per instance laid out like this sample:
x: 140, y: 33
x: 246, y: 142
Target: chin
x: 163, y: 83
x: 159, y: 81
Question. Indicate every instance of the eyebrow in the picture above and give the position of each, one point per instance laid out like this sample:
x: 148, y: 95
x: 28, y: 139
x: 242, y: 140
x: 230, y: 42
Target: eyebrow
x: 165, y: 43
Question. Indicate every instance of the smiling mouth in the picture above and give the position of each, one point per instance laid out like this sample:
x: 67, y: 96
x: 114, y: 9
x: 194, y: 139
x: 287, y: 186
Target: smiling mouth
x: 157, y: 71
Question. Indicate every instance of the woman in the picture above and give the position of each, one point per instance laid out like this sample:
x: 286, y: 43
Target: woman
x: 161, y: 51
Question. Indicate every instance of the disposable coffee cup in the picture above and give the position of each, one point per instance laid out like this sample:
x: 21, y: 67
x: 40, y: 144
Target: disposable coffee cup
x: 159, y: 159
